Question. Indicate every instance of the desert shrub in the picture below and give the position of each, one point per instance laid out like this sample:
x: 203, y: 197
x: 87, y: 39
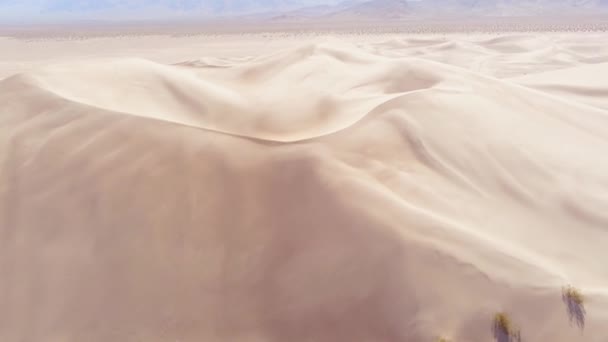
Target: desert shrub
x: 575, y: 304
x: 503, y: 324
x: 574, y: 295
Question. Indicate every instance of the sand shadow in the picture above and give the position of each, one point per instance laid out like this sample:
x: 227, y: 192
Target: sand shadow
x: 576, y: 310
x: 500, y: 335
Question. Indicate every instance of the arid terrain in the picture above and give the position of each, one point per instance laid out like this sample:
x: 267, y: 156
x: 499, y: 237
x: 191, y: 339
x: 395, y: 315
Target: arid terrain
x: 302, y: 186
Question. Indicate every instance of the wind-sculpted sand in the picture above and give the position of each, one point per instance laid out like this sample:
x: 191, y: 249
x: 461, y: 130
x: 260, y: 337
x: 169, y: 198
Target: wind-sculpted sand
x: 354, y: 188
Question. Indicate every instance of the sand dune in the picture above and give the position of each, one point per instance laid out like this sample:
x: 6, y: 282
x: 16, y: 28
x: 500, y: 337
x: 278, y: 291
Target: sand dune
x: 579, y: 83
x: 393, y: 190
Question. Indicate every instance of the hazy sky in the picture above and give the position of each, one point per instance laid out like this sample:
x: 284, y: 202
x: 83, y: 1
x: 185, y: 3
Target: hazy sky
x: 23, y: 10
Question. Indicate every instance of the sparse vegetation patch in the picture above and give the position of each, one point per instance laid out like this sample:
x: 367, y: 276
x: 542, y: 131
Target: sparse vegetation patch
x: 504, y: 329
x: 573, y: 294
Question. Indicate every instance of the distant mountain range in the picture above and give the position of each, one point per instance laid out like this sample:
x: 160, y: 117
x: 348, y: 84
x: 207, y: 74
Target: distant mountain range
x: 513, y: 7
x: 285, y: 9
x: 382, y: 9
x: 402, y: 9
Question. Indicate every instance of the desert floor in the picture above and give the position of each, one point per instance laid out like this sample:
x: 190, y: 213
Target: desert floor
x: 274, y: 187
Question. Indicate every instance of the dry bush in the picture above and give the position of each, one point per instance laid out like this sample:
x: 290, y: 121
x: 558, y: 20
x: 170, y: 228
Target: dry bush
x: 575, y: 305
x: 573, y: 294
x: 504, y: 329
x: 503, y: 323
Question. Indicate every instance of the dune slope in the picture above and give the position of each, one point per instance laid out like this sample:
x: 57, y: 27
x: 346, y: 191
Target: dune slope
x: 323, y: 193
x: 581, y: 83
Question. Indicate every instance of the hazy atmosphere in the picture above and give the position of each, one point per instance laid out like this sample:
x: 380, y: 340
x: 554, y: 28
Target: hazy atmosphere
x: 24, y: 11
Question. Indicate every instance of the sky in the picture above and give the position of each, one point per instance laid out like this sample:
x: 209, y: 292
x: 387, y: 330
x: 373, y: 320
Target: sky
x: 28, y: 11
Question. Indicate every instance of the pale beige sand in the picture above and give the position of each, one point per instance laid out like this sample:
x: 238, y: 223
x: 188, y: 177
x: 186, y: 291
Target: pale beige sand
x: 585, y: 84
x: 303, y: 188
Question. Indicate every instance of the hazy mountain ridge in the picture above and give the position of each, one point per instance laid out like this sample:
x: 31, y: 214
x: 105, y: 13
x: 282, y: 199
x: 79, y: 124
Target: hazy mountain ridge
x: 514, y: 7
x: 386, y: 9
x: 403, y: 9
